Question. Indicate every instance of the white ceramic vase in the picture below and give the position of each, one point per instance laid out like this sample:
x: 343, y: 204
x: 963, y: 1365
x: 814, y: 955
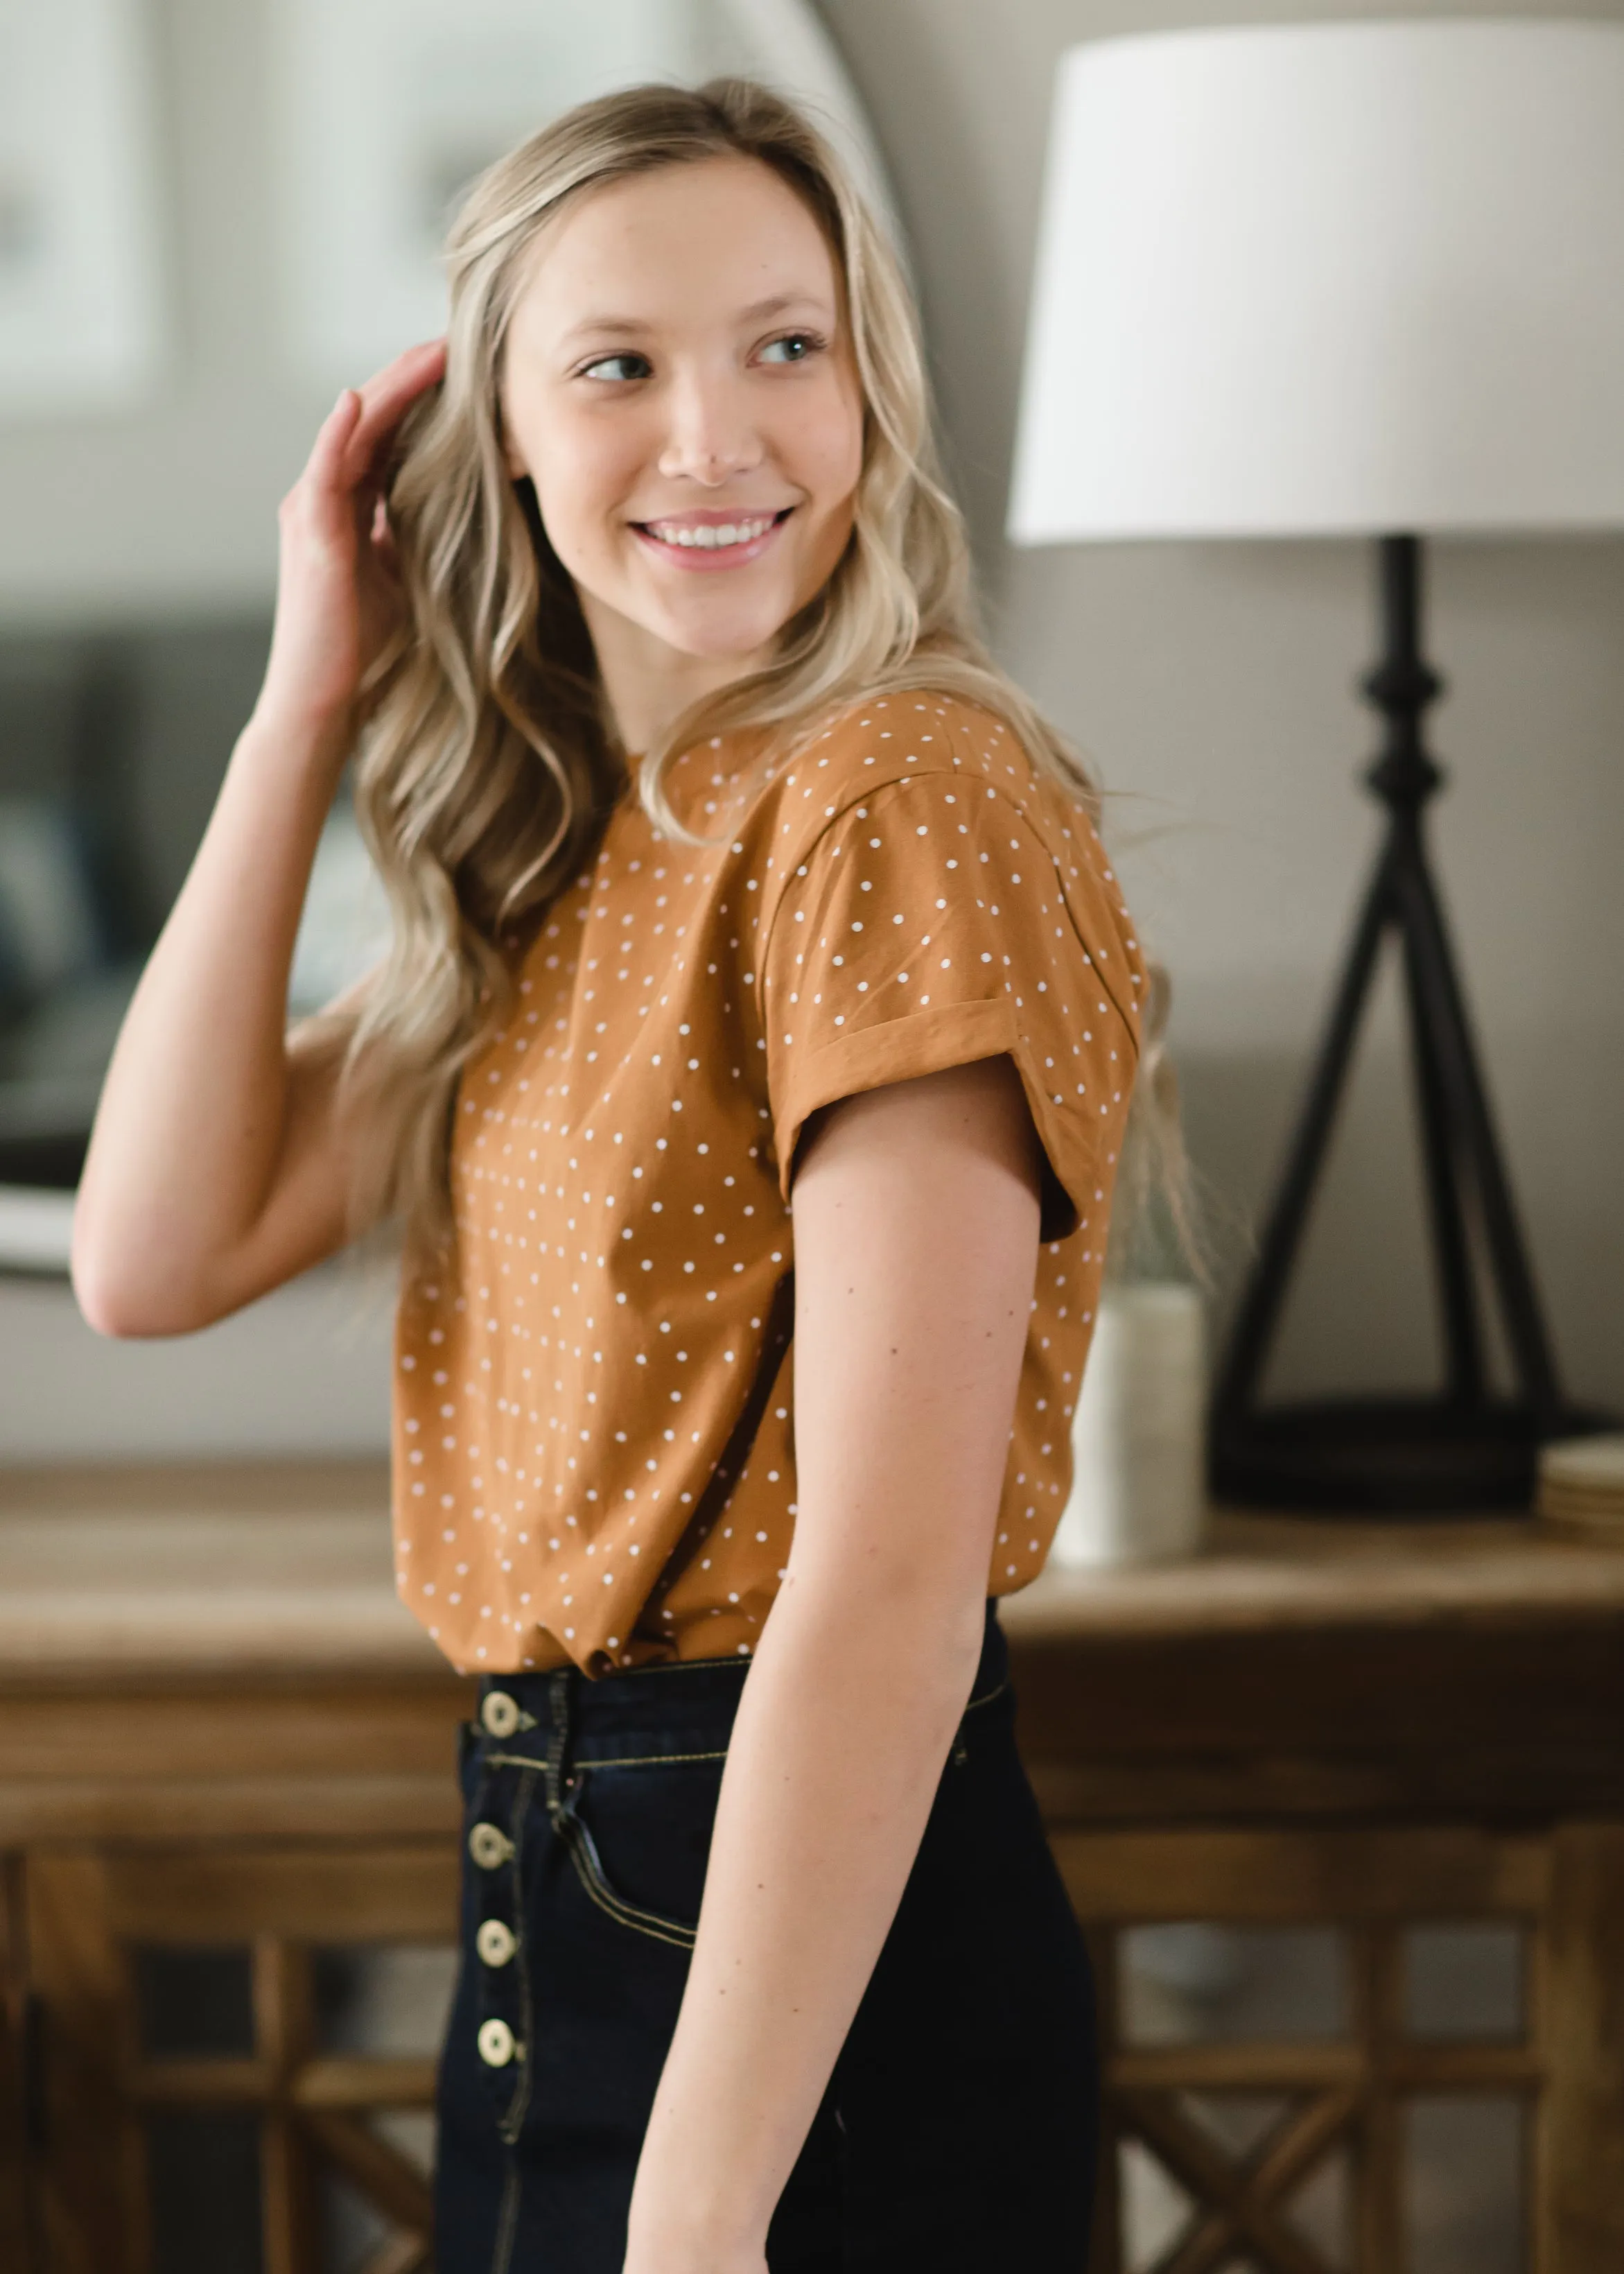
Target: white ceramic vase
x: 1138, y: 1490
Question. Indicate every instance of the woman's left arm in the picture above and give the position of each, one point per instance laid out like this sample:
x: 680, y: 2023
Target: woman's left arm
x: 916, y: 1212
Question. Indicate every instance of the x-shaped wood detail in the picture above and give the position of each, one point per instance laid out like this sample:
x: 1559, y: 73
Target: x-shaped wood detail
x: 1240, y: 2200
x: 312, y: 2106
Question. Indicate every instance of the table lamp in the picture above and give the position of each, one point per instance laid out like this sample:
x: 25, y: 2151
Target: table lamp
x: 1361, y: 280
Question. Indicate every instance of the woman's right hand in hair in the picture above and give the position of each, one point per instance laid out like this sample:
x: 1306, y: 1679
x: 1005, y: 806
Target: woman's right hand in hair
x: 338, y: 597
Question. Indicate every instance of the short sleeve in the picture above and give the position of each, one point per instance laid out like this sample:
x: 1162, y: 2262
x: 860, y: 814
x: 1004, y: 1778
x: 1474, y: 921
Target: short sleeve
x: 928, y: 927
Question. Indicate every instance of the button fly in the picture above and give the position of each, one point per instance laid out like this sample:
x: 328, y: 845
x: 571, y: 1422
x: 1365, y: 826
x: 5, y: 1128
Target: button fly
x: 499, y: 1713
x: 489, y: 1846
x: 497, y: 2043
x: 495, y: 1942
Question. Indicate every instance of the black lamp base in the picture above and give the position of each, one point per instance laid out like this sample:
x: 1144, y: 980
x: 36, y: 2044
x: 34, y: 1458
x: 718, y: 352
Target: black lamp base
x: 1469, y: 1445
x: 1393, y: 1457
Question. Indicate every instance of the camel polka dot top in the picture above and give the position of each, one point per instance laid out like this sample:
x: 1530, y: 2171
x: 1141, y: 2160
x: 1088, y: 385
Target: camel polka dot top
x: 905, y: 894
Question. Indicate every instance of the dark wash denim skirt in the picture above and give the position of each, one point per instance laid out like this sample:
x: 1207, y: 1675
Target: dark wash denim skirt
x: 957, y: 2130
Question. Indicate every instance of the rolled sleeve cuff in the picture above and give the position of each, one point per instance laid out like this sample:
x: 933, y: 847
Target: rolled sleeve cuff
x: 930, y: 1042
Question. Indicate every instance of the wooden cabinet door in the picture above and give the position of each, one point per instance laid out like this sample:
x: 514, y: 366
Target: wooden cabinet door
x: 17, y: 2246
x: 1222, y: 2132
x: 267, y: 2096
x: 290, y: 2101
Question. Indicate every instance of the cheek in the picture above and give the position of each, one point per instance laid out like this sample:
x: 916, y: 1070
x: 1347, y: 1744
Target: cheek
x: 831, y: 453
x: 582, y: 472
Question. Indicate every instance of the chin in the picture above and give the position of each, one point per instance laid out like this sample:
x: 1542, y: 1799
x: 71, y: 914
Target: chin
x: 731, y: 634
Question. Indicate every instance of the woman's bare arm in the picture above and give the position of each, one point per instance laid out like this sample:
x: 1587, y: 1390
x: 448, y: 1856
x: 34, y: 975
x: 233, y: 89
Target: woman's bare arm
x: 916, y: 1236
x: 218, y: 1165
x: 216, y: 1168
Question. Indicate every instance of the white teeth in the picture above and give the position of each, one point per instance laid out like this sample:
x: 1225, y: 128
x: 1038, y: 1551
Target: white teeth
x: 711, y: 538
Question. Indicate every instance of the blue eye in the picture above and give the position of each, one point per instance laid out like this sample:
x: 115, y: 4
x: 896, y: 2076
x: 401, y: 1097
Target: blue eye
x: 797, y: 347
x: 619, y: 368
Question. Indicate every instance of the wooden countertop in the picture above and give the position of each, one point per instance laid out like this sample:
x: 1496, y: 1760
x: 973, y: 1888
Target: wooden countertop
x: 281, y: 1569
x: 254, y: 1568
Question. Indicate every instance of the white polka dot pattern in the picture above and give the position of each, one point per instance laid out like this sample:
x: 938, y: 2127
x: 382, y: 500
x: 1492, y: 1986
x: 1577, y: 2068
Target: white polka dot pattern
x: 902, y: 895
x: 936, y: 927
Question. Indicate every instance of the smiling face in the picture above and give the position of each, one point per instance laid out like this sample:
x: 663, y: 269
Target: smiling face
x: 677, y: 382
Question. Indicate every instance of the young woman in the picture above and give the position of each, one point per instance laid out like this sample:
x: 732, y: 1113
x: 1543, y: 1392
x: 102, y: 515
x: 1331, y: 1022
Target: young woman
x: 745, y: 917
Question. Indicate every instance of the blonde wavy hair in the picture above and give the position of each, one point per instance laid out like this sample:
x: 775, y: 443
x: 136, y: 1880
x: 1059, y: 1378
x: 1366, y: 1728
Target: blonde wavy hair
x: 488, y: 763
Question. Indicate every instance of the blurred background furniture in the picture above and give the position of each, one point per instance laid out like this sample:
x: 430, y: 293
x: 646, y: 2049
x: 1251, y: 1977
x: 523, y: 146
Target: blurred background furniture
x: 111, y: 749
x: 112, y: 746
x: 1343, y: 1812
x: 228, y: 1813
x: 1337, y: 280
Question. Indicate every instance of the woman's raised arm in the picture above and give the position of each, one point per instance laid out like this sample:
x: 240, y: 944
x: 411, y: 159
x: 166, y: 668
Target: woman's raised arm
x: 218, y: 1165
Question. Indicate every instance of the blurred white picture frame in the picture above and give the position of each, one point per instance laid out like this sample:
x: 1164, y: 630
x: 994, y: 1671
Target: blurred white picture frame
x: 387, y: 108
x: 81, y: 290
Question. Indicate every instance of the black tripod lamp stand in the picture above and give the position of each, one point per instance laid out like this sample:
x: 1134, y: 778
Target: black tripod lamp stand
x: 1332, y: 281
x: 1470, y: 1446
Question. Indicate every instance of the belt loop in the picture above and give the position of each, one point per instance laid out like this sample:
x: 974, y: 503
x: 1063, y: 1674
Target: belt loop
x: 559, y: 1690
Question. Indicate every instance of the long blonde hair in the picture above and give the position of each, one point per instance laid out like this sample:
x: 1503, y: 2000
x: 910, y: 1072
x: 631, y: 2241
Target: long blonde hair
x: 488, y: 763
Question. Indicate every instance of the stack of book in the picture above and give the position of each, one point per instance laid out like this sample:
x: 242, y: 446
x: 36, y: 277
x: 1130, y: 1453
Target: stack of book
x: 1581, y: 1487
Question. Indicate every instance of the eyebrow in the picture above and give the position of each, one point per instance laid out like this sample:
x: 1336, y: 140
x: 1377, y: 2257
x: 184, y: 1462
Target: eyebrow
x: 633, y: 327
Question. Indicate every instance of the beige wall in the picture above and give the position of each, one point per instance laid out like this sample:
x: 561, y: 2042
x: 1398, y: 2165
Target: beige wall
x: 1214, y: 684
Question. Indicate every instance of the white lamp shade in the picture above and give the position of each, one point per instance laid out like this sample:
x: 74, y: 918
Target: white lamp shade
x: 1330, y: 279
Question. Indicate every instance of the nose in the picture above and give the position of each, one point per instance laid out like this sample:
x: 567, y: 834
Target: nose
x: 711, y: 434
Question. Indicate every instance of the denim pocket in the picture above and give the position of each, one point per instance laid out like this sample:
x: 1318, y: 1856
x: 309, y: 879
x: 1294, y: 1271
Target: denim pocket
x: 640, y: 1840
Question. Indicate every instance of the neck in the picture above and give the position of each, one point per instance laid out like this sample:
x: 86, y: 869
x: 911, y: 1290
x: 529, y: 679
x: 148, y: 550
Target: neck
x: 648, y: 684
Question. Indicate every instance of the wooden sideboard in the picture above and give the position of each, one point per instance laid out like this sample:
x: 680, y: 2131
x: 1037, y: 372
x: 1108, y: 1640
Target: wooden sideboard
x: 226, y: 1762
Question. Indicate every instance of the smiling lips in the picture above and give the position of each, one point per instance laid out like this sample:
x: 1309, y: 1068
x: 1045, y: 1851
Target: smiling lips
x: 700, y: 541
